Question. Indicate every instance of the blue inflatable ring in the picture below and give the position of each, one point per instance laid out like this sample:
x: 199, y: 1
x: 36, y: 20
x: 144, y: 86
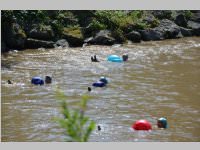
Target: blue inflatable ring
x: 114, y: 58
x: 37, y: 81
x: 99, y: 84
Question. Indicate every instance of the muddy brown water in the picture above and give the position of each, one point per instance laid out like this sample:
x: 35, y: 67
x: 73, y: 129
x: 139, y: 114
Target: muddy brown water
x: 160, y: 79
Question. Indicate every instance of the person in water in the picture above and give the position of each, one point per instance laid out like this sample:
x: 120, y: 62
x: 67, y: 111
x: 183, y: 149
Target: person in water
x: 162, y: 123
x: 9, y: 82
x: 125, y: 57
x: 48, y: 79
x: 94, y: 59
x: 99, y: 128
x: 89, y: 89
x: 39, y: 81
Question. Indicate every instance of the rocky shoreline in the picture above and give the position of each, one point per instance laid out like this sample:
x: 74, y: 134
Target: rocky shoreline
x: 22, y: 36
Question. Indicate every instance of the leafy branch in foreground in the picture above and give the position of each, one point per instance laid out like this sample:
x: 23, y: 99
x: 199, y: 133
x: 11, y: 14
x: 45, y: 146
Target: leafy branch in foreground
x: 77, y: 126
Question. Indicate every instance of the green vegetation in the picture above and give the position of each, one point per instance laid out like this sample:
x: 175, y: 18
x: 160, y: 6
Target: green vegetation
x: 73, y: 31
x: 77, y: 126
x: 117, y: 19
x: 96, y: 25
x: 77, y: 25
x: 188, y: 14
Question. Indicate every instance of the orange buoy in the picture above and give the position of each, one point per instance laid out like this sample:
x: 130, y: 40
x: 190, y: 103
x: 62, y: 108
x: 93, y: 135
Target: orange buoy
x: 142, y: 125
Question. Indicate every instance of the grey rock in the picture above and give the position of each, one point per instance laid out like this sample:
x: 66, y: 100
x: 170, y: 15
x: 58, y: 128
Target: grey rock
x: 134, y: 36
x: 87, y: 40
x: 181, y: 20
x: 195, y: 26
x: 169, y: 29
x: 196, y: 16
x: 63, y: 43
x: 162, y: 14
x: 35, y: 43
x: 15, y: 37
x: 41, y: 32
x: 103, y: 37
x: 3, y: 47
x: 166, y: 30
x: 151, y: 35
x: 185, y: 31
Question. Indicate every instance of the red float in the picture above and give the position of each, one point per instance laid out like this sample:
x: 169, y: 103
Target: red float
x: 142, y: 125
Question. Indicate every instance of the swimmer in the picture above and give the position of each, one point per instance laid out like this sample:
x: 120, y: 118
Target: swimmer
x: 101, y: 83
x: 99, y: 128
x: 116, y: 58
x: 9, y: 82
x: 89, y: 89
x: 162, y: 123
x: 48, y: 79
x: 125, y: 57
x: 94, y: 59
x: 103, y: 79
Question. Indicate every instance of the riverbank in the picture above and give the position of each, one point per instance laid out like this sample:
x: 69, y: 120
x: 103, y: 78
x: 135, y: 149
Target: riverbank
x: 50, y: 29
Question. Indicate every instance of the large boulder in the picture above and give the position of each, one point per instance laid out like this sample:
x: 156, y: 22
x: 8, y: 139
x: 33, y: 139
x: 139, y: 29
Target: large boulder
x: 166, y: 30
x: 63, y: 43
x: 35, y: 43
x: 73, y: 36
x: 149, y: 19
x: 195, y: 26
x: 181, y: 20
x: 41, y: 32
x: 15, y: 37
x: 195, y: 16
x: 186, y: 32
x: 151, y: 35
x: 134, y: 36
x: 3, y: 47
x: 103, y: 37
x: 162, y: 14
x: 169, y: 29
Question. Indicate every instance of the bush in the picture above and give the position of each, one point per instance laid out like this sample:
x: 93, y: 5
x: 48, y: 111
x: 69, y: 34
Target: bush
x: 118, y: 20
x: 118, y: 35
x: 188, y: 14
x: 77, y: 126
x: 7, y: 16
x: 57, y: 27
x: 73, y: 31
x: 67, y: 18
x: 107, y: 18
x: 95, y: 25
x: 154, y: 23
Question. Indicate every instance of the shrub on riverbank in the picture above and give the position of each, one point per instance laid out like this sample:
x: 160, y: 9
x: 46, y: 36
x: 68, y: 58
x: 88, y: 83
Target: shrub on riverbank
x: 77, y: 25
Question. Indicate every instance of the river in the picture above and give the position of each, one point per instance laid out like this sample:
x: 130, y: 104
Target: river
x: 160, y: 79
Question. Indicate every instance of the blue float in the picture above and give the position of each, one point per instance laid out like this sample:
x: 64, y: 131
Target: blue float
x: 99, y: 84
x: 115, y: 58
x: 37, y: 81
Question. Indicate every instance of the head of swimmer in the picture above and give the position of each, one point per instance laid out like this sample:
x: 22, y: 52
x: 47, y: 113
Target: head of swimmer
x: 48, y: 79
x: 161, y: 124
x: 125, y: 57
